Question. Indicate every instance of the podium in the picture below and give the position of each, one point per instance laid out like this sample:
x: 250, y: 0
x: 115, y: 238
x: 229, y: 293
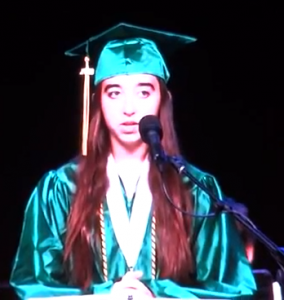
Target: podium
x: 107, y: 297
x: 276, y: 296
x: 267, y: 289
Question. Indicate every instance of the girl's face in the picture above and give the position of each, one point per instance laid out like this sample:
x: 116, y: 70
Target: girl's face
x: 125, y: 99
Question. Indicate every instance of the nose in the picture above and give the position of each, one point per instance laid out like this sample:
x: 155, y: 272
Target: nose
x: 129, y: 106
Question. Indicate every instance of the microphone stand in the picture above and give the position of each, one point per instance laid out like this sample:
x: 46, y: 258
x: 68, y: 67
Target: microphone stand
x: 226, y: 205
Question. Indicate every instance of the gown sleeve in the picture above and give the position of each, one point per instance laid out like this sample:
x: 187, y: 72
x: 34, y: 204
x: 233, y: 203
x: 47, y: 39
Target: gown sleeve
x: 38, y: 270
x: 222, y: 269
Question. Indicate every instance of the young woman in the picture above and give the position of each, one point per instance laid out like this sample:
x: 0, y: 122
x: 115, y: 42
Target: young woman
x: 101, y: 224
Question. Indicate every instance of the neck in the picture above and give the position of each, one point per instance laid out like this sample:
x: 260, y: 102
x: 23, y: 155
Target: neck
x: 131, y: 153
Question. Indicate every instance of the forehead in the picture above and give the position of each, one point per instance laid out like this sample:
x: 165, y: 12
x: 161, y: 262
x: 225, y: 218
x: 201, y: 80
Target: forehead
x: 131, y: 80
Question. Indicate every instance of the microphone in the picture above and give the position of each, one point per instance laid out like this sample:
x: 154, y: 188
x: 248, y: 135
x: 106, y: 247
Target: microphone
x: 151, y: 133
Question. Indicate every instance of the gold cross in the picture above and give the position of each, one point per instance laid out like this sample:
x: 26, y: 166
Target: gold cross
x: 87, y: 71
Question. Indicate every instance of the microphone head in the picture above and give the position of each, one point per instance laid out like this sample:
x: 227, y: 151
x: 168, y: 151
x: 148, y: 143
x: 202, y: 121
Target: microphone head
x: 150, y: 124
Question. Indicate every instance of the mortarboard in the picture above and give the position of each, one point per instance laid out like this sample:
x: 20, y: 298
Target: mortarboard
x: 123, y: 50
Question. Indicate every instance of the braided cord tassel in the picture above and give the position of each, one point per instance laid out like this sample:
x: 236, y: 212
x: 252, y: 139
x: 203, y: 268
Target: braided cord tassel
x: 153, y: 239
x: 103, y: 239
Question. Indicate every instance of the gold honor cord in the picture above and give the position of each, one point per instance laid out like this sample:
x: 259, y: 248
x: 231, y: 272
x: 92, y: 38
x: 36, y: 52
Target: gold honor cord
x: 103, y: 246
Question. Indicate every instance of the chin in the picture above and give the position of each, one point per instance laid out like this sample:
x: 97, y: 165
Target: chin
x: 131, y: 139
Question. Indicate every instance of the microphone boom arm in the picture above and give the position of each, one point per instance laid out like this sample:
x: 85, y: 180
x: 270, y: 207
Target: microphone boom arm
x: 227, y: 206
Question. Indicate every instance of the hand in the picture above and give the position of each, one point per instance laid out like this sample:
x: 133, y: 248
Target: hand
x: 130, y: 284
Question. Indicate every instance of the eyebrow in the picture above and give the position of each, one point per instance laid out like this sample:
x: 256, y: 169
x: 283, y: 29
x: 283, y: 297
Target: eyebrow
x: 147, y: 84
x: 109, y: 86
x: 141, y: 84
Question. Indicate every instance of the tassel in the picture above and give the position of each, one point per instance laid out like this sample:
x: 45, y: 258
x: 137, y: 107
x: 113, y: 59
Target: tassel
x: 87, y: 72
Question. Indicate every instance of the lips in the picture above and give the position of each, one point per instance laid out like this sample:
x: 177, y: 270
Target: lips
x: 129, y: 123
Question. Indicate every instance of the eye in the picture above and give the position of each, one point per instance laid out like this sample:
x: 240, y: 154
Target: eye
x: 113, y: 94
x: 144, y: 94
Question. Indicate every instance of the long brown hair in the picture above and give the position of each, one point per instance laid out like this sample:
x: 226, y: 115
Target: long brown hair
x: 174, y: 257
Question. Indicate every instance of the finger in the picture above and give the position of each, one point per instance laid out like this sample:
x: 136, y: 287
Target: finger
x: 124, y: 294
x: 134, y: 284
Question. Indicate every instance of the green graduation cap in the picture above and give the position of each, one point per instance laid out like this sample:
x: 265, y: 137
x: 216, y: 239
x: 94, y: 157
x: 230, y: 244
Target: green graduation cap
x: 124, y: 50
x: 128, y: 49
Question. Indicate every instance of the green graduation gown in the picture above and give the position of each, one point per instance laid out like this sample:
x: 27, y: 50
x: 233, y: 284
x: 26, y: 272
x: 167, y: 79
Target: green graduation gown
x: 222, y: 268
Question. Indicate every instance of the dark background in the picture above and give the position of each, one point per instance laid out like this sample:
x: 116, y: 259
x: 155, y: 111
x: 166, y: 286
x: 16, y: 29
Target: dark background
x: 228, y: 91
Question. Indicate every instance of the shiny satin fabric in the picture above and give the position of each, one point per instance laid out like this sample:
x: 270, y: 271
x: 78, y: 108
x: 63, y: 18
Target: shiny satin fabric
x: 222, y: 268
x: 130, y: 56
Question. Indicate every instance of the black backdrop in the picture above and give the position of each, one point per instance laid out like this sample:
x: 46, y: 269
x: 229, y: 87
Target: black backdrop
x: 227, y: 90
